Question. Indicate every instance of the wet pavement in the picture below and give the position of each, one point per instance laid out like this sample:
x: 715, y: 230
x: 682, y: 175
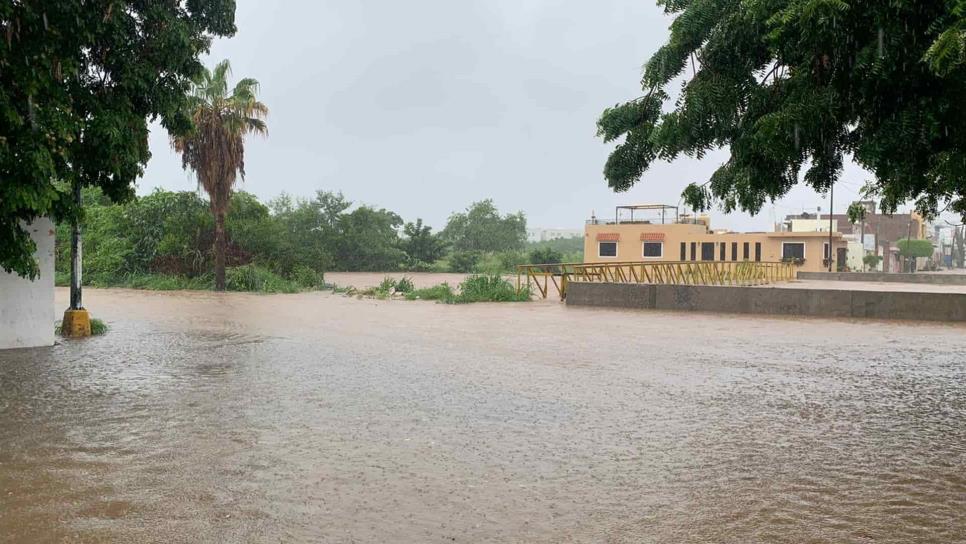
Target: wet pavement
x: 318, y: 418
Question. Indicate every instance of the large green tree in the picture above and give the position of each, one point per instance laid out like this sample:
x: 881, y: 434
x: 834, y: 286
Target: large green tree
x: 421, y: 244
x: 79, y: 80
x: 215, y: 147
x: 788, y: 85
x: 369, y: 240
x: 482, y: 228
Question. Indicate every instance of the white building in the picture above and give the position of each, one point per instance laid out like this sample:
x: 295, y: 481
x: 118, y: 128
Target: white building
x: 543, y: 235
x: 27, y: 312
x: 812, y: 225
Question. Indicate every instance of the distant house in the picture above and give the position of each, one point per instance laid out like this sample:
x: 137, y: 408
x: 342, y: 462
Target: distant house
x: 669, y: 237
x: 877, y: 233
x: 27, y: 307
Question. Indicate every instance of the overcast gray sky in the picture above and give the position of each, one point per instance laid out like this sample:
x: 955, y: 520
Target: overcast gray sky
x: 425, y: 106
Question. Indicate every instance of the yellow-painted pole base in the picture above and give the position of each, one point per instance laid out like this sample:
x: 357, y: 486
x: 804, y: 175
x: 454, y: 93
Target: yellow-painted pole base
x: 76, y: 324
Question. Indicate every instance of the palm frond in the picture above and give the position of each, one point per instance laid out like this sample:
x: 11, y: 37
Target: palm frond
x: 246, y: 88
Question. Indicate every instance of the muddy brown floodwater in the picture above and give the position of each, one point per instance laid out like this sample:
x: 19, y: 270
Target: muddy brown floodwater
x: 316, y: 418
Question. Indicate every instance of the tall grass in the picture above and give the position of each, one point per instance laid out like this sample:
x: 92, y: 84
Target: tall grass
x: 251, y: 277
x: 442, y: 292
x: 489, y: 288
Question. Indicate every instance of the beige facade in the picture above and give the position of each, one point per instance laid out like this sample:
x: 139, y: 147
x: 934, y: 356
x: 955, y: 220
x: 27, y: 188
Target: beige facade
x: 677, y: 242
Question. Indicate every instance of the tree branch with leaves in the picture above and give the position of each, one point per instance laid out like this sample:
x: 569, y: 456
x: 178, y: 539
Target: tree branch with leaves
x: 792, y: 88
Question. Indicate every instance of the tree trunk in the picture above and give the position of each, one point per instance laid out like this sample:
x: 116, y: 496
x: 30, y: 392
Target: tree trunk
x: 220, y: 248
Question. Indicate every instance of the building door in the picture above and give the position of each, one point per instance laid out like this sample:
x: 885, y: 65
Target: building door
x: 841, y: 254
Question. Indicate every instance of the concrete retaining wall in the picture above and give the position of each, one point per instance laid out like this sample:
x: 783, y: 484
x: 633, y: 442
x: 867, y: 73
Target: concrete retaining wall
x: 922, y: 277
x: 772, y: 301
x: 27, y: 307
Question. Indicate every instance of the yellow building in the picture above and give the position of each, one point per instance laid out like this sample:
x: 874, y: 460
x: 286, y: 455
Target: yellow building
x: 666, y: 236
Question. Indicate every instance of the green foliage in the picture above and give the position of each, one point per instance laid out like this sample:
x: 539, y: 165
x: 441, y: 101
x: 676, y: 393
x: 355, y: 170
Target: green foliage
x: 481, y: 228
x: 307, y: 278
x: 163, y: 232
x: 570, y: 250
x: 294, y: 233
x: 405, y: 285
x: 369, y: 240
x: 500, y: 262
x: 545, y: 255
x: 463, y: 262
x: 78, y: 83
x: 98, y: 327
x: 856, y: 212
x: 251, y: 277
x: 215, y: 147
x: 803, y: 83
x: 871, y: 262
x: 420, y: 244
x: 442, y: 292
x: 563, y: 245
x: 477, y: 288
x: 163, y: 241
x: 487, y: 288
x: 915, y: 248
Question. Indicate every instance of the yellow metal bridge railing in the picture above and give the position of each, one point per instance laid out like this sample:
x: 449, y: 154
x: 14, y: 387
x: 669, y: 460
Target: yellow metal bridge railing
x: 539, y: 277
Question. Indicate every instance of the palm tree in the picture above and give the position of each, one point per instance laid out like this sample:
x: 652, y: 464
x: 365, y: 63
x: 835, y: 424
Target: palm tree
x: 215, y: 148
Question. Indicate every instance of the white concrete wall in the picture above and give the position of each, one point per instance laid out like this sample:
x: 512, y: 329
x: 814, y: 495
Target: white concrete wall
x: 27, y: 312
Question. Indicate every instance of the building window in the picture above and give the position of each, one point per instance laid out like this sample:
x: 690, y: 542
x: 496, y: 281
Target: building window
x: 707, y: 251
x: 606, y: 249
x: 653, y: 250
x: 825, y: 252
x: 694, y: 251
x: 747, y: 251
x: 757, y: 251
x: 684, y: 251
x: 734, y: 251
x: 721, y: 251
x: 793, y: 251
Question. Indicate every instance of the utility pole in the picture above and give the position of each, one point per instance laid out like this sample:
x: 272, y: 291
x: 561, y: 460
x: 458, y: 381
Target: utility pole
x: 831, y: 211
x: 76, y: 322
x: 75, y: 255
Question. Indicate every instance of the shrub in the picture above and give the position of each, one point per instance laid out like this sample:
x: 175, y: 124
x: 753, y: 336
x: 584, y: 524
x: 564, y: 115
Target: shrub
x: 442, y: 292
x: 405, y: 285
x: 307, y: 278
x: 484, y: 288
x: 872, y: 261
x: 422, y: 266
x: 545, y: 255
x: 252, y: 277
x: 98, y: 327
x: 463, y: 262
x: 509, y: 260
x: 387, y: 285
x: 499, y: 262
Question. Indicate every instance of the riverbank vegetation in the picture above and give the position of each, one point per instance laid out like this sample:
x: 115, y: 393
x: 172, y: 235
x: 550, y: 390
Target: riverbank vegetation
x: 164, y: 240
x: 476, y: 288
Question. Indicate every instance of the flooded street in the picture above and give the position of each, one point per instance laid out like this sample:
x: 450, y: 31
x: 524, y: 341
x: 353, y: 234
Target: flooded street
x: 204, y: 417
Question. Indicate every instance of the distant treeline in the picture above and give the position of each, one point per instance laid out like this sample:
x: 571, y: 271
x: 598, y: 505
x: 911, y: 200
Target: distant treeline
x: 164, y: 240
